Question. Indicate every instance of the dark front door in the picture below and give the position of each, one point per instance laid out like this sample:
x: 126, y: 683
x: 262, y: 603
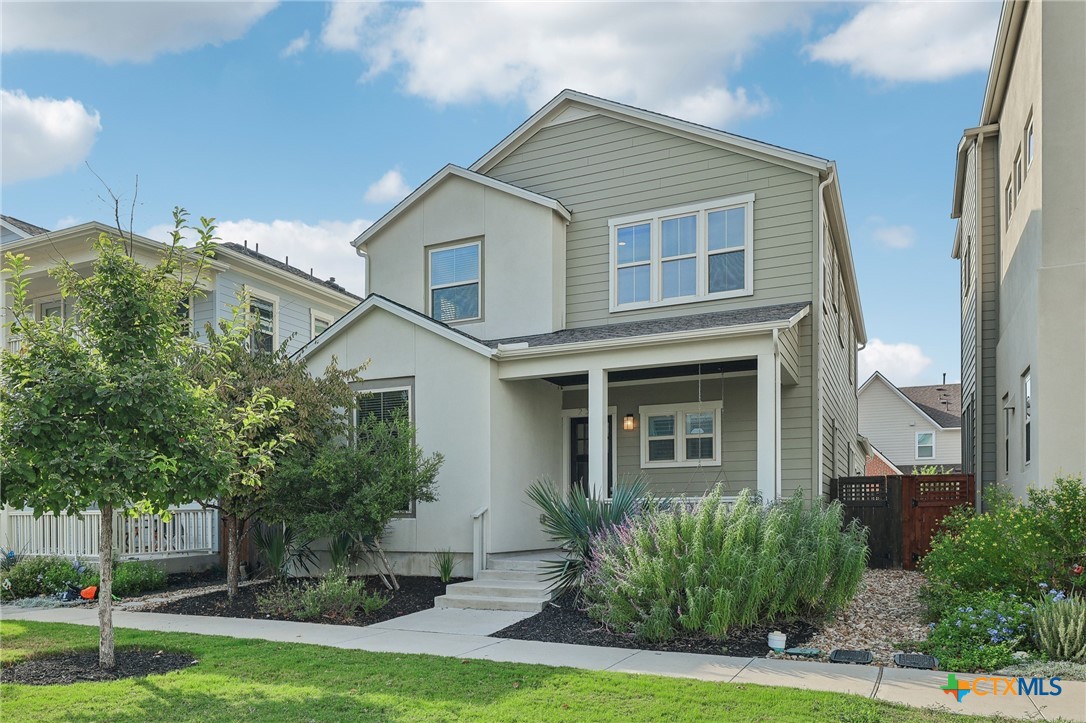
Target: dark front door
x: 578, y: 455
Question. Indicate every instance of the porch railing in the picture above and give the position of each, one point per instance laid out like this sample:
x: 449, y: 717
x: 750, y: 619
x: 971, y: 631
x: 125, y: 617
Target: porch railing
x: 191, y: 530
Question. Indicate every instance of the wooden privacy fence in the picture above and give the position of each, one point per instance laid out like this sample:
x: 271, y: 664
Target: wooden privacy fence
x: 902, y: 512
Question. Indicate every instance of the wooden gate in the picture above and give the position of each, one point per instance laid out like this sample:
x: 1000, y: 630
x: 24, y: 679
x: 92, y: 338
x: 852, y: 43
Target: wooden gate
x: 901, y: 513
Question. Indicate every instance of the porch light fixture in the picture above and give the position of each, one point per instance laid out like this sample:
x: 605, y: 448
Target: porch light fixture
x: 628, y: 423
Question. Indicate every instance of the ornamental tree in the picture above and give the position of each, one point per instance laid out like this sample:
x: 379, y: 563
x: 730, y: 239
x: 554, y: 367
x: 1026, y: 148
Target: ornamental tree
x: 103, y: 408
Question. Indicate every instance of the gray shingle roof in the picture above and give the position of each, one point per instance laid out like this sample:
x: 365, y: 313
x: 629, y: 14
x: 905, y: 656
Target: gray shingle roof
x: 263, y: 258
x: 689, y: 322
x: 941, y: 402
x: 24, y: 226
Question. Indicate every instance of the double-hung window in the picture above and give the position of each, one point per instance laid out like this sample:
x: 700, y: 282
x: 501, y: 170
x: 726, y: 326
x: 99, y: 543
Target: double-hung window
x: 318, y: 323
x: 680, y: 255
x: 925, y: 445
x: 262, y: 338
x: 455, y: 276
x: 680, y: 435
x: 384, y: 405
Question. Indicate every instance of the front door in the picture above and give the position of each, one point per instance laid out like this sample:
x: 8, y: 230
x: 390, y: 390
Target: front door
x: 578, y: 455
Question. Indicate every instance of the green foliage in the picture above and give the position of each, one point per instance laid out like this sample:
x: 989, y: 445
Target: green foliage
x: 32, y: 576
x: 1014, y: 546
x: 932, y: 469
x: 335, y: 597
x: 705, y: 568
x: 572, y: 520
x: 1059, y: 625
x: 445, y: 563
x: 981, y: 632
x: 284, y: 549
x: 342, y: 549
x: 135, y: 577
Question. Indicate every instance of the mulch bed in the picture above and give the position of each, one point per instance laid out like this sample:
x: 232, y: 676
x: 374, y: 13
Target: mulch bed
x: 563, y: 622
x: 82, y: 667
x: 415, y: 594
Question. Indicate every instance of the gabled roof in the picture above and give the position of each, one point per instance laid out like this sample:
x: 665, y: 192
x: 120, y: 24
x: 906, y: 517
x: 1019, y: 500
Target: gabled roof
x: 572, y: 98
x: 452, y: 170
x: 927, y: 400
x: 21, y: 227
x: 231, y: 247
x: 886, y: 460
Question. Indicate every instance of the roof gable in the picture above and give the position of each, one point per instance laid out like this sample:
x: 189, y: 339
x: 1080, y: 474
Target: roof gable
x: 923, y: 400
x: 472, y: 176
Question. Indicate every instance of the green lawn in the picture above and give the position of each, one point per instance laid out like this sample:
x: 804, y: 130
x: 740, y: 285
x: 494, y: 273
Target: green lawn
x: 263, y: 681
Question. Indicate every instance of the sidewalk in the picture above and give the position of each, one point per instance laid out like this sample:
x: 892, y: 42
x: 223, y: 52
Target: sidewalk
x: 466, y: 634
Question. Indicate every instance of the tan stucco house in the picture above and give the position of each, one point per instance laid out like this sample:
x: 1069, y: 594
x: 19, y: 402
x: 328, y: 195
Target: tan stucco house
x: 1020, y: 201
x: 911, y: 428
x: 609, y: 291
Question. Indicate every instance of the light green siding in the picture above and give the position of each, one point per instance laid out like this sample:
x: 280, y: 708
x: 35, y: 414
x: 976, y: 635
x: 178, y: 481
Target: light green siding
x: 841, y: 455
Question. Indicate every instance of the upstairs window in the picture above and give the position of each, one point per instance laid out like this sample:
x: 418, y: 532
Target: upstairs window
x: 680, y: 435
x: 680, y: 255
x: 262, y: 311
x: 925, y: 445
x: 455, y: 283
x: 318, y: 323
x: 1009, y: 202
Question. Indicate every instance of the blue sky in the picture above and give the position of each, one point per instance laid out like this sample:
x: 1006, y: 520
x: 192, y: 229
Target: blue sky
x: 298, y: 124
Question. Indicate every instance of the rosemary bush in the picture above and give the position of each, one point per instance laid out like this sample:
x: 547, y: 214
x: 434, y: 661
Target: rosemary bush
x: 1059, y: 624
x: 705, y: 568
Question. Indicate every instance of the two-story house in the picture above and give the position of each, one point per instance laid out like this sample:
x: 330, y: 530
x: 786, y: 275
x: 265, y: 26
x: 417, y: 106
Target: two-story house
x: 911, y: 428
x: 291, y: 306
x: 1019, y: 191
x: 609, y: 292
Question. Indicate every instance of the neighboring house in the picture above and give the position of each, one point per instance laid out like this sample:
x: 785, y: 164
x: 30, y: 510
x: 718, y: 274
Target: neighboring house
x: 1019, y: 187
x: 609, y: 292
x: 878, y: 465
x: 13, y: 229
x: 292, y: 306
x: 911, y: 427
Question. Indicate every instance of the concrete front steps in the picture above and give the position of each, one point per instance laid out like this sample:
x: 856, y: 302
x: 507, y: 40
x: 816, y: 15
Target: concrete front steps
x: 510, y: 582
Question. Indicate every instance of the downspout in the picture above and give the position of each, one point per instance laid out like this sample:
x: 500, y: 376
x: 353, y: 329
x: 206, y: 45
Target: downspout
x: 818, y: 301
x: 366, y: 271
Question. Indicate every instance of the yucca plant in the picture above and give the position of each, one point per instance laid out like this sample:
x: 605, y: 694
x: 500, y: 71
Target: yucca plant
x: 1059, y: 625
x: 342, y: 550
x: 283, y: 548
x: 445, y: 563
x: 571, y: 520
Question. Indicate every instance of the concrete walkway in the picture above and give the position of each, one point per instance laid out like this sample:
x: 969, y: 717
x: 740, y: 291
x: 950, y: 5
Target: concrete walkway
x: 466, y: 634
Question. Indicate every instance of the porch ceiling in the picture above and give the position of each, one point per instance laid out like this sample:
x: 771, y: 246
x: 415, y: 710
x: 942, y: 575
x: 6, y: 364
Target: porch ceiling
x: 679, y: 370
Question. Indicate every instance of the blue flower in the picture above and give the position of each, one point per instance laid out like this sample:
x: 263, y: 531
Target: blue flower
x: 1043, y: 586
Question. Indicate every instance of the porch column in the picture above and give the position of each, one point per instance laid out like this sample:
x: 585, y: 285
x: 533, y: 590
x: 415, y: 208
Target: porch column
x: 597, y: 432
x: 768, y: 438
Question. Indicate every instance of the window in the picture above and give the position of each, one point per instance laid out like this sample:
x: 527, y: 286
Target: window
x: 381, y: 405
x: 680, y: 435
x: 1018, y: 175
x: 184, y: 315
x: 1029, y: 141
x: 262, y: 337
x: 52, y: 307
x: 1027, y: 414
x: 1010, y: 201
x: 680, y: 255
x: 318, y: 323
x: 925, y: 445
x: 454, y: 282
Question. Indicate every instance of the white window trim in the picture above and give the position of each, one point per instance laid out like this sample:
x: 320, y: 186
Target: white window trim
x: 412, y: 508
x: 431, y: 287
x: 1030, y: 142
x: 1009, y: 200
x: 680, y: 410
x: 1027, y: 418
x: 251, y: 293
x: 41, y: 302
x: 314, y: 317
x: 653, y: 218
x: 1019, y: 173
x: 916, y: 445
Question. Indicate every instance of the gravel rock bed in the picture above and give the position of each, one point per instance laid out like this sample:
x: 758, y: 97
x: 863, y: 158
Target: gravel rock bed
x: 83, y: 667
x: 885, y: 613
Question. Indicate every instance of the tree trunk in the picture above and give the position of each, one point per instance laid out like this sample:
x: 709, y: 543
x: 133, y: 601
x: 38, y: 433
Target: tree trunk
x: 387, y: 565
x: 105, y: 590
x: 232, y: 571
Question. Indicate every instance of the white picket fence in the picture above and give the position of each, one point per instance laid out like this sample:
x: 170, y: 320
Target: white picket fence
x: 191, y: 530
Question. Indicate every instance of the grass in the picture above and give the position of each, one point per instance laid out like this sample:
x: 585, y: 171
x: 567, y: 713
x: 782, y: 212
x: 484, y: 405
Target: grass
x: 266, y: 681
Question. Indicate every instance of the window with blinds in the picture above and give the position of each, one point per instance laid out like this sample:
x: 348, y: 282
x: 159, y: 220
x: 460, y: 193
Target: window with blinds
x: 454, y: 283
x: 382, y: 405
x: 262, y: 337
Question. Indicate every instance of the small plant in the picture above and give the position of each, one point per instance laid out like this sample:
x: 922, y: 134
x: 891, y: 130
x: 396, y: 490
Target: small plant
x: 282, y: 547
x: 444, y: 562
x: 135, y: 578
x: 32, y: 576
x: 333, y: 597
x: 1059, y: 624
x: 982, y: 632
x: 932, y: 469
x: 571, y: 520
x: 342, y: 550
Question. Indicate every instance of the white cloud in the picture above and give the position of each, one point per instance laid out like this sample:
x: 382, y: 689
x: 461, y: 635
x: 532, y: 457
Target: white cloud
x: 67, y: 222
x: 669, y: 57
x: 901, y: 363
x: 895, y: 237
x: 324, y: 246
x: 126, y: 31
x: 43, y: 136
x: 913, y: 41
x: 389, y: 187
x: 298, y: 45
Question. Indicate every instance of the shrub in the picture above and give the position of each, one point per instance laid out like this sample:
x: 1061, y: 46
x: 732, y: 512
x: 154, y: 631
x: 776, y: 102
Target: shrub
x: 982, y: 632
x: 571, y: 520
x: 1014, y: 546
x: 283, y: 548
x: 135, y: 578
x: 334, y: 597
x: 708, y: 569
x: 1059, y: 624
x: 32, y: 576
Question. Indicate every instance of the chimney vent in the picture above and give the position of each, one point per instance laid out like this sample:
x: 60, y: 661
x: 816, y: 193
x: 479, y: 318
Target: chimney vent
x: 332, y: 279
x: 246, y: 243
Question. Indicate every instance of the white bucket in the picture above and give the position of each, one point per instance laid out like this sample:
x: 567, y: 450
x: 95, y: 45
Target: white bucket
x: 776, y: 641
